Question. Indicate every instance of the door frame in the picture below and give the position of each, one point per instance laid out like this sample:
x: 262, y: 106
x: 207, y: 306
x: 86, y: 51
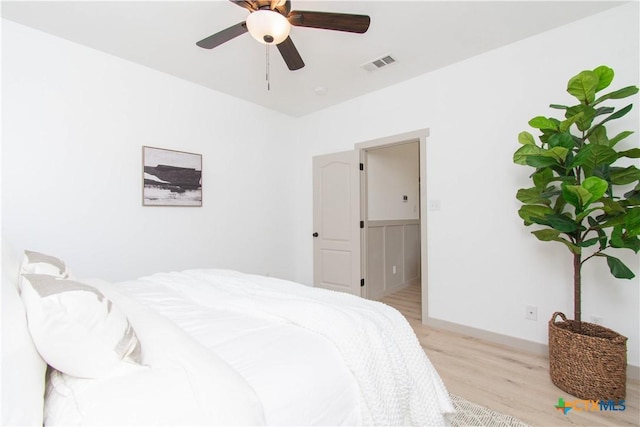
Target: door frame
x: 421, y: 136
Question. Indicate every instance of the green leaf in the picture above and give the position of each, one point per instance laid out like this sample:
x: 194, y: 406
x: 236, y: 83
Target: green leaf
x: 633, y: 195
x: 622, y: 241
x: 532, y: 196
x: 599, y: 136
x: 618, y: 269
x: 616, y: 237
x: 583, y: 86
x: 583, y: 155
x: 589, y: 242
x: 562, y: 223
x: 634, y: 153
x: 632, y: 243
x: 563, y: 139
x: 605, y: 77
x: 582, y: 115
x: 602, y: 236
x: 549, y: 235
x: 581, y: 196
x: 596, y: 186
x: 604, y: 110
x: 542, y: 178
x: 546, y: 235
x: 525, y: 138
x: 560, y: 204
x: 557, y: 153
x: 527, y: 212
x: 604, y: 172
x: 612, y: 221
x: 624, y: 176
x: 586, y: 118
x: 619, y: 137
x: 618, y: 94
x: 540, y: 161
x: 541, y: 122
x: 520, y: 156
x: 632, y: 222
x: 574, y: 195
x: 611, y: 207
x: 616, y: 115
x: 551, y: 192
x: 592, y: 155
x: 602, y: 155
x: 558, y: 106
x: 570, y: 120
x: 586, y: 213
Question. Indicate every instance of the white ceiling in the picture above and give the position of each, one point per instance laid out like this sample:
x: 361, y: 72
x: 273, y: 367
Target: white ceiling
x: 422, y: 35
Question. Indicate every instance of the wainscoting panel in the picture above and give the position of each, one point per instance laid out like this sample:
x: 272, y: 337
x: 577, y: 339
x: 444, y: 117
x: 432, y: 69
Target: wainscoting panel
x: 375, y: 261
x: 393, y: 256
x: 412, y: 253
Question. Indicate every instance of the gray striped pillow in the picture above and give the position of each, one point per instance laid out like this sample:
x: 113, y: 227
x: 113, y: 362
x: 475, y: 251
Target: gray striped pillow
x: 75, y: 328
x: 39, y: 263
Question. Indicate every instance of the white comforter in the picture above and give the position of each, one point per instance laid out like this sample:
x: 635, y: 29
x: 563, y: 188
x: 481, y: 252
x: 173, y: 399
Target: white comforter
x: 179, y: 384
x: 312, y: 356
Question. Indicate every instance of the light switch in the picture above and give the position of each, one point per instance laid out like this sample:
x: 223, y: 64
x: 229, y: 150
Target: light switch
x: 434, y: 205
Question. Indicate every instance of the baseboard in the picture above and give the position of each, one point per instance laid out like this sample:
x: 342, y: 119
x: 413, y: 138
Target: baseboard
x: 633, y: 372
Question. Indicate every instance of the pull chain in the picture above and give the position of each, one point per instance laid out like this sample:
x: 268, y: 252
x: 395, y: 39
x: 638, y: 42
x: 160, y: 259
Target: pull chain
x: 268, y: 76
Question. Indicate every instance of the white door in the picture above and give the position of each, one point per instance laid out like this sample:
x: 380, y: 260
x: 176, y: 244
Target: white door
x: 336, y: 222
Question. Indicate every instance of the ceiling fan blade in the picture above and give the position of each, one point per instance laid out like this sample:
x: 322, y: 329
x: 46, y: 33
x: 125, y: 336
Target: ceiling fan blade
x: 223, y: 36
x: 249, y: 5
x: 330, y: 21
x: 276, y: 3
x: 290, y: 54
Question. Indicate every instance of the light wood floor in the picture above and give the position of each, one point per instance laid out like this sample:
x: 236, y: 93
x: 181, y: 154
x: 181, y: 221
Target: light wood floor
x: 501, y: 378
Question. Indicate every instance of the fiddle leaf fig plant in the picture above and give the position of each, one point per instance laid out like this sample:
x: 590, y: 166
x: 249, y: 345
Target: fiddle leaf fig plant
x: 579, y: 175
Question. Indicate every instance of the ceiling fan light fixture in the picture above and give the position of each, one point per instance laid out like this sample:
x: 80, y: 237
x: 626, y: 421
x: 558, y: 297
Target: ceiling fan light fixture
x: 268, y: 27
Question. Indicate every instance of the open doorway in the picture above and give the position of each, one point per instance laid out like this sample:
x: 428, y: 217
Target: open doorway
x: 412, y: 226
x: 391, y: 208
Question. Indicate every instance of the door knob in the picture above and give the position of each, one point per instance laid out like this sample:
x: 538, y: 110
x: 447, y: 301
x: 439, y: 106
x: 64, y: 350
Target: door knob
x: 315, y: 234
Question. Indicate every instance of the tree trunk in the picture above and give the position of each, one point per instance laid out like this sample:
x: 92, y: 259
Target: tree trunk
x: 577, y: 284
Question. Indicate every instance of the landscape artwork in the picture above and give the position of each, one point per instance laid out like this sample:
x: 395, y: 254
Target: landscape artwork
x: 171, y: 178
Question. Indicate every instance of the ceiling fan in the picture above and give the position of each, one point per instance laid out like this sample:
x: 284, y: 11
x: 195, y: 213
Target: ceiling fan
x: 269, y: 22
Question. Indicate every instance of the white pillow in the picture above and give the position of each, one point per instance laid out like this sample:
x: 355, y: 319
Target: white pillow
x: 23, y: 369
x: 181, y: 384
x: 39, y: 263
x: 75, y: 328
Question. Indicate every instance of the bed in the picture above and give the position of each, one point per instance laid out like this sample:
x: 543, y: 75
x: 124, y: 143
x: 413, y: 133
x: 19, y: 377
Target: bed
x: 204, y: 347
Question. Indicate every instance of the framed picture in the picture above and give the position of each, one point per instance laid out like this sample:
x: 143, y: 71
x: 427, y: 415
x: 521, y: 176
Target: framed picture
x: 171, y: 178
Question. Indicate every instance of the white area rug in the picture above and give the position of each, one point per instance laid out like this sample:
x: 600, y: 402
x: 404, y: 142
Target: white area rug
x: 470, y: 414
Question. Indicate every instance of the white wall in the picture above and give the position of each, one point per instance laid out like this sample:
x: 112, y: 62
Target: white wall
x: 74, y: 122
x: 484, y: 267
x: 393, y: 172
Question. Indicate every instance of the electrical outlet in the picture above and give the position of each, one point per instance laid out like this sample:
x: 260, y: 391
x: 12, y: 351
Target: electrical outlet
x: 394, y: 269
x: 598, y: 320
x: 531, y: 312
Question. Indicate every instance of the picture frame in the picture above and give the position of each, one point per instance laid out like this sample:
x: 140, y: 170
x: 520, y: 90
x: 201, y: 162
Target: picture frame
x: 171, y: 177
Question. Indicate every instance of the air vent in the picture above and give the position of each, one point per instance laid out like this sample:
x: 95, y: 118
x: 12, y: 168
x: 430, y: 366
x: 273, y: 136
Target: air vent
x: 378, y: 63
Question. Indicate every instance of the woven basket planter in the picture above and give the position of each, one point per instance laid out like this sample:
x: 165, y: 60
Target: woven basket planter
x: 586, y: 360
